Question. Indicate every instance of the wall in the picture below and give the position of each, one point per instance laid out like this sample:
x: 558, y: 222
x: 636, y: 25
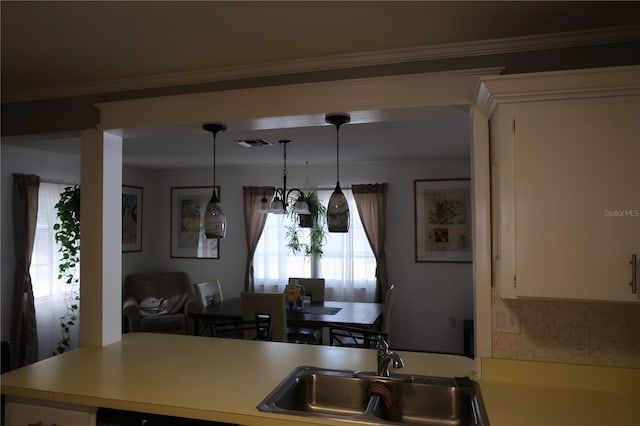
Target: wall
x: 612, y: 329
x: 50, y: 167
x: 427, y: 294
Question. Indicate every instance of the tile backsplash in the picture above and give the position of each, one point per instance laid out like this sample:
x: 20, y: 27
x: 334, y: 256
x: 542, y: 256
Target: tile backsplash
x: 593, y: 333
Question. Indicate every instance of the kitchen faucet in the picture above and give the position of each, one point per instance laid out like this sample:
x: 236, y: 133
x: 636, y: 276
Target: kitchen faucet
x: 385, y: 356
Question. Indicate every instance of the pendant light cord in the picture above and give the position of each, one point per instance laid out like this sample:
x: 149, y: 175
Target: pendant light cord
x: 284, y: 172
x: 338, y: 120
x: 214, y: 162
x: 338, y: 153
x: 214, y: 128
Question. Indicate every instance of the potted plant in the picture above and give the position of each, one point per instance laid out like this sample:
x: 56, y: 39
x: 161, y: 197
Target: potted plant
x: 68, y: 236
x: 314, y: 222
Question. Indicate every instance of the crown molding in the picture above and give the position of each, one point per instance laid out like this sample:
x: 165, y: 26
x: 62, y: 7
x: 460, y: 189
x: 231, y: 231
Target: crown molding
x: 335, y: 62
x: 557, y: 85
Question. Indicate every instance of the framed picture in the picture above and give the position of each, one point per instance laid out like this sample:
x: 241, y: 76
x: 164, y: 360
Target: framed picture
x: 131, y: 218
x: 443, y: 220
x: 188, y: 240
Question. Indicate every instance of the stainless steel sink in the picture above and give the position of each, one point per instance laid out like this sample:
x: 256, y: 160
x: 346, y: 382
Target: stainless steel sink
x: 322, y: 392
x: 344, y: 394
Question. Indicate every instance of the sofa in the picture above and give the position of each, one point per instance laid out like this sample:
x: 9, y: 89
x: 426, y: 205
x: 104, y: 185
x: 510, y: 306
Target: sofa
x: 158, y: 302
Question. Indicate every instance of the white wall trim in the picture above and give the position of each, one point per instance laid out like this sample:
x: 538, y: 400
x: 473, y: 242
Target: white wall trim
x: 375, y: 93
x: 481, y: 172
x: 354, y: 60
x: 555, y: 85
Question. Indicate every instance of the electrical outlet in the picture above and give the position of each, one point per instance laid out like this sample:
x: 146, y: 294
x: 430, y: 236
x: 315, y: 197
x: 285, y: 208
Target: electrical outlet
x: 506, y: 320
x: 580, y: 340
x: 452, y: 322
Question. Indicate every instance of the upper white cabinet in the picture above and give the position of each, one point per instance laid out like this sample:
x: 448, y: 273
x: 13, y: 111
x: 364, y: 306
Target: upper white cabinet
x: 565, y: 164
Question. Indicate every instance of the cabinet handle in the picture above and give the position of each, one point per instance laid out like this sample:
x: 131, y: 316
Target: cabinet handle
x: 634, y: 274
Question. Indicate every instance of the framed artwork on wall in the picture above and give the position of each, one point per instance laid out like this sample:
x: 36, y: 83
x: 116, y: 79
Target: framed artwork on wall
x: 131, y: 218
x: 188, y: 240
x: 443, y: 220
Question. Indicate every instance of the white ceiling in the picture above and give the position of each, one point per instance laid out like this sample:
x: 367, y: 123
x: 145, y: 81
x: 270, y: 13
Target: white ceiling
x: 55, y: 48
x: 371, y: 137
x: 441, y: 134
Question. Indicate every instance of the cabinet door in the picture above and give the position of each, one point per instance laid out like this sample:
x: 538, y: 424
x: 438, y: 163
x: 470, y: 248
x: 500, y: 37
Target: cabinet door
x: 576, y: 198
x: 566, y: 204
x: 20, y: 413
x: 502, y: 202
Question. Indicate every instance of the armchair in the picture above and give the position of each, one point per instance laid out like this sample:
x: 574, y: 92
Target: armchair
x: 172, y: 287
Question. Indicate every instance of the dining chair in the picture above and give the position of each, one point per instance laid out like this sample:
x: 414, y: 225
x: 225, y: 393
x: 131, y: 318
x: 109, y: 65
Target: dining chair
x: 260, y: 328
x: 208, y: 292
x: 389, y: 306
x: 358, y: 337
x: 261, y: 305
x: 341, y: 335
x: 314, y: 287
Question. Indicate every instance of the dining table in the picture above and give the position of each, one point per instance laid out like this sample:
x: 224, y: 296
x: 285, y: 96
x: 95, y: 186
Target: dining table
x: 318, y: 314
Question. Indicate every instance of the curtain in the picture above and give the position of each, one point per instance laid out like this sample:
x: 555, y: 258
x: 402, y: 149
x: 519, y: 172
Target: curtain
x: 253, y: 225
x: 372, y: 208
x: 25, y: 213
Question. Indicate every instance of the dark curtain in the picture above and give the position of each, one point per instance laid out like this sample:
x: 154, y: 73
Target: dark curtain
x: 253, y: 225
x: 371, y: 201
x: 25, y: 213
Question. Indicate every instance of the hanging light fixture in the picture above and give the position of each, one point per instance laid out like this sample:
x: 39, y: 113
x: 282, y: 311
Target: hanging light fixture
x: 338, y: 209
x: 215, y: 223
x: 280, y: 202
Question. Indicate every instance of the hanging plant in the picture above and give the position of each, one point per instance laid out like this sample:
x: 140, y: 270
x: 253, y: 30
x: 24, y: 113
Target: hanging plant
x: 68, y: 237
x: 315, y: 223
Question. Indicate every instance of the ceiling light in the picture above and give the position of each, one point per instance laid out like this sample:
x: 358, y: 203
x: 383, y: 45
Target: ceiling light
x: 253, y: 143
x: 280, y: 202
x: 215, y: 223
x: 338, y: 209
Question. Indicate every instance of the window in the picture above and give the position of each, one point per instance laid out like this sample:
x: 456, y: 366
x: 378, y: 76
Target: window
x: 48, y: 291
x: 347, y: 265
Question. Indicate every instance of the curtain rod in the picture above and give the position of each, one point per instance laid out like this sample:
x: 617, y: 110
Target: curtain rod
x: 57, y: 182
x: 330, y: 188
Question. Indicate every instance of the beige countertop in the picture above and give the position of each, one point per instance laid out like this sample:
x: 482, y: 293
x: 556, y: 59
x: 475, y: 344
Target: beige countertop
x: 529, y: 393
x: 225, y: 379
x: 199, y: 377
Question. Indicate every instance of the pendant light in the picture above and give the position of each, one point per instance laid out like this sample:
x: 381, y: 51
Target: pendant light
x: 215, y: 223
x: 338, y: 209
x: 280, y: 202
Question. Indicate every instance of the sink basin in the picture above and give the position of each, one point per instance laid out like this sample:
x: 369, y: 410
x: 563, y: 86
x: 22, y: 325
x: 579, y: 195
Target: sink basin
x: 344, y: 394
x: 323, y: 392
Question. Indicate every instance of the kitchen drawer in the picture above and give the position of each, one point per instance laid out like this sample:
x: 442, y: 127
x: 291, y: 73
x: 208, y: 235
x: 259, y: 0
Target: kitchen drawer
x: 27, y: 412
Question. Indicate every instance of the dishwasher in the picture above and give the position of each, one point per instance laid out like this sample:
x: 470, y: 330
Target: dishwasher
x: 112, y: 417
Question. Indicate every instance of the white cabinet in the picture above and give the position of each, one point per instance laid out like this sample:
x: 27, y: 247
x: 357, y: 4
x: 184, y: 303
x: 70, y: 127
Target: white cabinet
x: 22, y: 412
x: 566, y: 188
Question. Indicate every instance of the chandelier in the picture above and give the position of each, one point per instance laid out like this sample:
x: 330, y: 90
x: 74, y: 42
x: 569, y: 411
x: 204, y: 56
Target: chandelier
x: 283, y: 199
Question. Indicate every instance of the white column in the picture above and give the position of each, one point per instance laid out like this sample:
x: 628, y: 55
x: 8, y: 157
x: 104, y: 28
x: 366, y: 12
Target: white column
x: 101, y: 240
